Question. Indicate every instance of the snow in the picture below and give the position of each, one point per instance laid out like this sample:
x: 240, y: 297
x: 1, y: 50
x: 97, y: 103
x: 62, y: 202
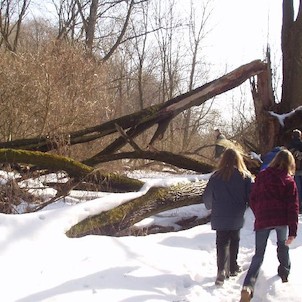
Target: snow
x: 281, y: 117
x: 39, y: 263
x: 256, y: 156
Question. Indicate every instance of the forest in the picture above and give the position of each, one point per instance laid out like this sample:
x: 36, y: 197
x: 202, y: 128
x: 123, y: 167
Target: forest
x: 99, y: 88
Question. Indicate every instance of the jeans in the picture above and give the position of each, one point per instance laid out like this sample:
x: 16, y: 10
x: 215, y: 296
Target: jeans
x: 227, y: 246
x: 282, y: 254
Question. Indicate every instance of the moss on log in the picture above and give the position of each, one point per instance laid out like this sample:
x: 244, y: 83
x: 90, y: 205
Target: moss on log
x: 157, y: 200
x: 51, y: 162
x: 113, y: 182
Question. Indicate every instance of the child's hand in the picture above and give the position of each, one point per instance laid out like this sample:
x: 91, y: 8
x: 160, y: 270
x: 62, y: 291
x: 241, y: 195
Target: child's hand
x: 289, y: 240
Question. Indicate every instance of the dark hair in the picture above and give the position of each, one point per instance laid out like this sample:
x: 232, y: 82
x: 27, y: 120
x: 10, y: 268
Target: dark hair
x: 284, y: 160
x: 231, y: 159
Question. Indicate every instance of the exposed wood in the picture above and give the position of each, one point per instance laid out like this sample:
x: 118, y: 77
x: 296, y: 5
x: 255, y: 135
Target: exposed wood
x: 122, y: 219
x: 138, y: 122
x: 196, y: 97
x: 268, y: 127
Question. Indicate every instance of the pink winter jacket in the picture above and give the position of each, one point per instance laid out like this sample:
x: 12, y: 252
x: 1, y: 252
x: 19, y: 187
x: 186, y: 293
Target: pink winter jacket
x: 274, y: 200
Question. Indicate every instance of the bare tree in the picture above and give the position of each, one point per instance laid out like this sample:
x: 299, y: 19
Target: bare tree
x: 140, y: 43
x: 168, y: 22
x: 67, y: 18
x: 197, y: 28
x: 12, y: 13
x: 89, y: 24
x: 98, y: 24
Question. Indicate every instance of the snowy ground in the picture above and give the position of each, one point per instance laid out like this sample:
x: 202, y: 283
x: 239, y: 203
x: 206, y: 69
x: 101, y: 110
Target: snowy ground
x: 39, y: 263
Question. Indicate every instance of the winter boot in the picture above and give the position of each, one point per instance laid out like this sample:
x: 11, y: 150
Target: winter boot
x: 246, y: 294
x: 283, y: 275
x: 220, y: 278
x: 236, y: 271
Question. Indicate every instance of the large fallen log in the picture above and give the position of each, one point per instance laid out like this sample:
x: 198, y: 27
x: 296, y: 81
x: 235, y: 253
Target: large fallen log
x: 118, y: 220
x: 77, y: 171
x: 52, y: 162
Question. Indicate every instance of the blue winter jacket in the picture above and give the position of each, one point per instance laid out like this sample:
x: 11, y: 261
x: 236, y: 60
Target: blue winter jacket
x: 228, y: 201
x: 268, y: 157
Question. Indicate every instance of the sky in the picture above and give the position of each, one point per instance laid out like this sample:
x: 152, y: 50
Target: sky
x: 38, y: 263
x: 240, y: 31
x: 243, y: 28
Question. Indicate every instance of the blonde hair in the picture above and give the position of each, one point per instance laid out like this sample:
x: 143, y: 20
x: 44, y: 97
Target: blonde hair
x: 284, y: 160
x: 231, y: 159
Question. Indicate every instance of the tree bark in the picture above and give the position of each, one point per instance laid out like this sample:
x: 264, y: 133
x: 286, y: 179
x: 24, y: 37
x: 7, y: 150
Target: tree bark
x: 161, y: 156
x: 122, y: 33
x: 52, y: 162
x: 76, y: 170
x: 271, y: 132
x: 157, y: 200
x: 292, y: 57
x: 268, y: 127
x: 90, y: 24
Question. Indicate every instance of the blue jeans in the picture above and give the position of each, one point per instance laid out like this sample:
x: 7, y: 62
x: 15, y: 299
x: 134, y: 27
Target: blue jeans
x: 282, y: 254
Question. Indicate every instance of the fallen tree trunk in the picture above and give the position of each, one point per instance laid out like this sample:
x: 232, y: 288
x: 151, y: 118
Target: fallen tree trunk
x: 162, y: 115
x: 176, y: 160
x: 77, y: 171
x: 123, y: 217
x: 51, y: 162
x: 139, y: 122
